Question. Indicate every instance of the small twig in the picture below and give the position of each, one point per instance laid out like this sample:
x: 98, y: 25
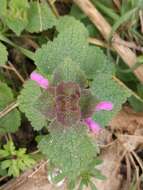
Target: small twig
x: 35, y: 152
x: 8, y: 109
x: 51, y: 4
x: 12, y: 68
x: 125, y: 87
x: 137, y: 159
x: 2, y: 178
x: 137, y: 170
x: 9, y: 137
x: 16, y: 72
x: 6, y: 138
x: 131, y: 45
x: 109, y: 144
x: 105, y: 29
x: 119, y: 161
x: 38, y: 168
x: 99, y: 43
x: 128, y: 169
x: 5, y: 67
x: 117, y: 3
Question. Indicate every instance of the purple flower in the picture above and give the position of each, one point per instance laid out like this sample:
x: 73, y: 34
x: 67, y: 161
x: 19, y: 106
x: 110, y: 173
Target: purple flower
x: 92, y: 125
x: 40, y: 80
x: 104, y: 105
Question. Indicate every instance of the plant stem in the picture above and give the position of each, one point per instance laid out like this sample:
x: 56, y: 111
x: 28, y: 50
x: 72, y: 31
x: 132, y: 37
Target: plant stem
x: 16, y: 72
x: 105, y: 29
x: 51, y: 4
x: 8, y: 109
x: 26, y: 52
x: 124, y: 86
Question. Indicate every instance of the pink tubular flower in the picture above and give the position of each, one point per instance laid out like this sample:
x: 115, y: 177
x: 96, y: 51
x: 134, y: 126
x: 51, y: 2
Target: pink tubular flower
x: 92, y: 125
x: 104, y: 105
x: 39, y: 79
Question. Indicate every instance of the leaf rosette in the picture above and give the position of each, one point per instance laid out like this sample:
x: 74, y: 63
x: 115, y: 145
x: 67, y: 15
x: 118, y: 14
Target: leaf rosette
x: 66, y: 104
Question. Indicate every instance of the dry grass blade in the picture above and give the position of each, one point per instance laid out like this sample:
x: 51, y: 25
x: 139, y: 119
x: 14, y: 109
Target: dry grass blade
x: 8, y: 109
x: 104, y: 27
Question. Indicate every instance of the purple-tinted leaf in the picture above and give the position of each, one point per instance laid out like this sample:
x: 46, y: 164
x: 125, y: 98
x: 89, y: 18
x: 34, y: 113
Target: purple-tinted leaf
x: 67, y: 103
x: 46, y: 103
x: 68, y: 89
x: 69, y: 118
x: 69, y: 71
x: 88, y: 103
x: 55, y: 126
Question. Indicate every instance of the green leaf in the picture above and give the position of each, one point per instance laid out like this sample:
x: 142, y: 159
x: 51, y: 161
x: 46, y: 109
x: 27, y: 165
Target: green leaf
x: 81, y: 185
x: 3, y: 153
x: 136, y: 104
x: 92, y: 59
x: 10, y: 147
x: 29, y: 95
x: 95, y: 61
x: 11, y: 121
x: 70, y: 71
x: 3, y: 6
x: 77, y: 12
x: 70, y: 43
x: 97, y: 173
x: 66, y: 23
x: 16, y: 15
x: 5, y: 164
x: 16, y: 161
x: 40, y: 17
x: 3, y: 172
x: 93, y: 187
x: 13, y: 169
x: 106, y: 89
x: 3, y: 54
x: 76, y: 148
x: 21, y: 165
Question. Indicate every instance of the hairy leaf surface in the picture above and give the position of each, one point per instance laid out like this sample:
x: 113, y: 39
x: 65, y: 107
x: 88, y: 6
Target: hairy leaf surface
x: 11, y: 121
x: 106, y: 89
x: 27, y: 101
x: 40, y: 17
x: 71, y: 151
x: 3, y: 54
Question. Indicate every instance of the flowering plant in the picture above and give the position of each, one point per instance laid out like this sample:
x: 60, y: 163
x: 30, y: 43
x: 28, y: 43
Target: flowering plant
x: 64, y: 104
x: 71, y: 94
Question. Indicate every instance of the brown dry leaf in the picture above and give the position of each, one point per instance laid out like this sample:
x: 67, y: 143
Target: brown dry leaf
x: 127, y: 121
x: 111, y: 157
x: 130, y: 142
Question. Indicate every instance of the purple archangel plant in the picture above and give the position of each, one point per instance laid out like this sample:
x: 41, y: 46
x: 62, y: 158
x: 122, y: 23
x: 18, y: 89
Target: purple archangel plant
x: 74, y: 95
x: 69, y: 107
x: 63, y: 104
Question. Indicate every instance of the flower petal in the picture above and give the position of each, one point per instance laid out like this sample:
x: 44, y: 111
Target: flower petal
x: 92, y: 125
x: 104, y: 105
x: 39, y: 79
